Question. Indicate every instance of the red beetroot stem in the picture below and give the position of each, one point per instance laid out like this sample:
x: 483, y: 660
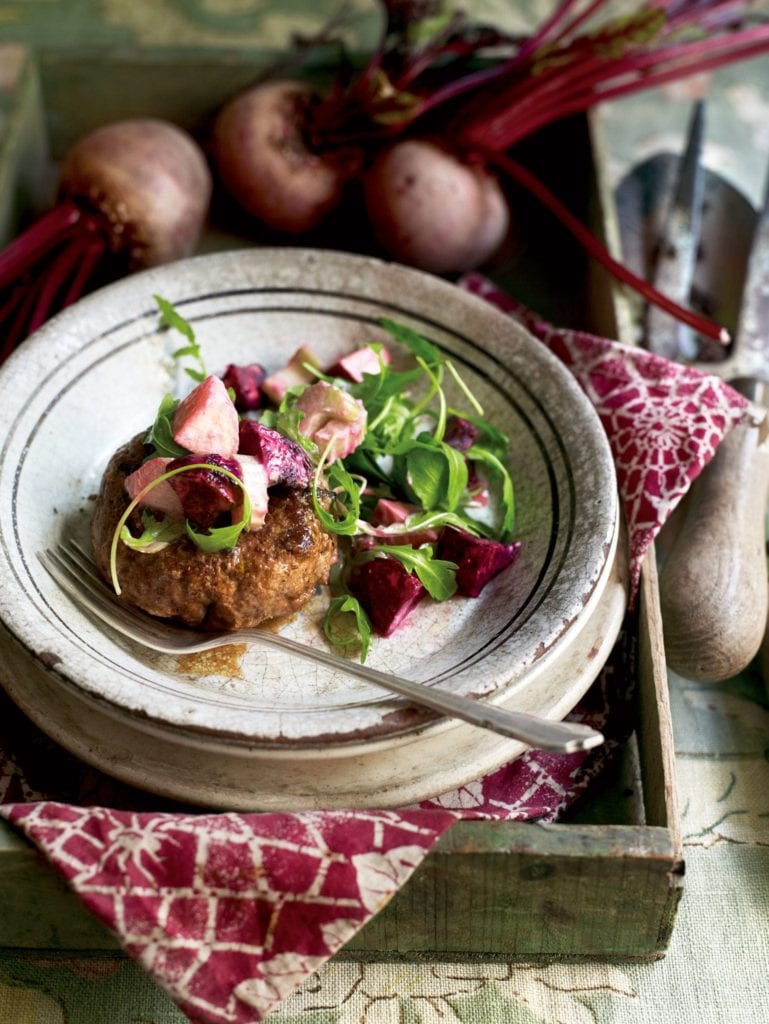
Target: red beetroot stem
x: 91, y: 257
x: 591, y: 244
x: 17, y: 330
x: 63, y: 269
x: 574, y: 88
x: 578, y: 104
x: 37, y: 240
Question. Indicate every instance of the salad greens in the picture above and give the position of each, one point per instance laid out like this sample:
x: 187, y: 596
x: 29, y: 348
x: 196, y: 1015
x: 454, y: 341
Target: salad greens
x: 406, y: 457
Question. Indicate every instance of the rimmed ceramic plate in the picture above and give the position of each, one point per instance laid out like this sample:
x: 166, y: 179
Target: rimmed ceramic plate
x: 297, y: 735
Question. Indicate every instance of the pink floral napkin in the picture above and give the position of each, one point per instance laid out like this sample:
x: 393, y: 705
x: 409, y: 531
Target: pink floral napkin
x: 231, y: 912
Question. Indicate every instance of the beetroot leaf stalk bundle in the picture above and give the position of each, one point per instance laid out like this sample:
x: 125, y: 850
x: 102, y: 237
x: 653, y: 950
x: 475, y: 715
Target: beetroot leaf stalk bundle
x: 433, y: 115
x: 131, y: 194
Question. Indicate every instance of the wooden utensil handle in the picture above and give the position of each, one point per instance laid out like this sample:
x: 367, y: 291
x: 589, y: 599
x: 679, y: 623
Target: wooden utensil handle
x: 713, y: 587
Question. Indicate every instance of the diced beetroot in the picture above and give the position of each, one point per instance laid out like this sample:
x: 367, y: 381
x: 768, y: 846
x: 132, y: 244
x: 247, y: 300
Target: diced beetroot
x: 204, y: 493
x: 478, y: 559
x: 460, y: 433
x: 254, y: 477
x: 355, y: 364
x: 162, y: 497
x: 277, y: 384
x: 333, y: 419
x: 387, y: 591
x: 206, y: 420
x: 391, y: 513
x: 285, y: 461
x: 246, y: 383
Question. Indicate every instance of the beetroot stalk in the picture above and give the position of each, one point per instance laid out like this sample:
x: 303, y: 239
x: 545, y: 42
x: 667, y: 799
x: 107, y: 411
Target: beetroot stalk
x: 576, y: 89
x: 590, y: 243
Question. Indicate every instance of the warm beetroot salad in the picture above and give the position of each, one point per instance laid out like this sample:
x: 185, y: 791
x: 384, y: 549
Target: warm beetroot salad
x: 415, y: 492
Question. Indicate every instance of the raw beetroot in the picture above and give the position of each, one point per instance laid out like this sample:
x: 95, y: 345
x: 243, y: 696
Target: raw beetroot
x: 285, y: 462
x: 438, y: 206
x: 434, y: 210
x: 205, y: 494
x: 246, y: 385
x: 478, y: 559
x: 387, y: 591
x: 264, y: 159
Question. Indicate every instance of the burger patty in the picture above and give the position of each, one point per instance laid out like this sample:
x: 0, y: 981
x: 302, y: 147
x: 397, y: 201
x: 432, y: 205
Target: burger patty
x: 271, y: 572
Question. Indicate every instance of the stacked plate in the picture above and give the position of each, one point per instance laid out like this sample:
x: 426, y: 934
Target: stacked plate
x: 255, y: 728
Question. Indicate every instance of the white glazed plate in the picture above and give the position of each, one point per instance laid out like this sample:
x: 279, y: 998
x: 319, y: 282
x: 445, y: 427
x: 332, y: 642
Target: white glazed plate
x: 262, y: 728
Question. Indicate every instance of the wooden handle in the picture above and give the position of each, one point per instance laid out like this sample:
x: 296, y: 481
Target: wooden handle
x: 713, y: 587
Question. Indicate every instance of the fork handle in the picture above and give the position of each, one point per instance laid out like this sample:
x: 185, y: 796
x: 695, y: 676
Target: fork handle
x: 541, y: 733
x: 713, y: 585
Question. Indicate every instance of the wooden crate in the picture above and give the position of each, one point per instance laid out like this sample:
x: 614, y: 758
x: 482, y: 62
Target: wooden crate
x: 603, y: 883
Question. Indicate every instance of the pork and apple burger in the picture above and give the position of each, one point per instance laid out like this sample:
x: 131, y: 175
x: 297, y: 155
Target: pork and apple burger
x: 208, y: 519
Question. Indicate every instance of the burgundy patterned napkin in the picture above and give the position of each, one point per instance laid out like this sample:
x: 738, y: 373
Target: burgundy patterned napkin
x: 231, y: 912
x: 663, y: 421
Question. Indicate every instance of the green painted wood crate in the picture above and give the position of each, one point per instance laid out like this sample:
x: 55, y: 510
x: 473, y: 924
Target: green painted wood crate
x: 603, y: 883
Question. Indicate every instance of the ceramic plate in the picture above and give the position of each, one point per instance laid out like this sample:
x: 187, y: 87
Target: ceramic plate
x: 94, y: 376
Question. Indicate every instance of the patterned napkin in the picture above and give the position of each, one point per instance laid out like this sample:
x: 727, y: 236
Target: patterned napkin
x: 231, y: 912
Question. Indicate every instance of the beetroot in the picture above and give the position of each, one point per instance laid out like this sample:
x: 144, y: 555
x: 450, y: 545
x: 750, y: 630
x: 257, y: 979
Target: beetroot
x: 363, y: 360
x: 285, y: 461
x: 293, y: 373
x: 265, y: 160
x: 204, y: 493
x: 387, y: 591
x: 246, y: 384
x: 206, y: 420
x: 460, y: 433
x: 433, y: 209
x: 161, y: 498
x: 132, y: 194
x: 478, y: 559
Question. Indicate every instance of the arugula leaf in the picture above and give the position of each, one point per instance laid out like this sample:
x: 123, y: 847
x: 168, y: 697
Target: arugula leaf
x: 437, y: 474
x: 436, y: 575
x: 413, y: 341
x: 346, y: 624
x: 219, y: 538
x: 160, y: 434
x: 156, y: 532
x: 169, y: 317
x: 507, y: 498
x: 347, y: 496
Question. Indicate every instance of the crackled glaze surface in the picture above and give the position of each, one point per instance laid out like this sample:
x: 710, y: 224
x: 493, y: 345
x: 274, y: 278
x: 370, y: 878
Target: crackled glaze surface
x: 94, y: 376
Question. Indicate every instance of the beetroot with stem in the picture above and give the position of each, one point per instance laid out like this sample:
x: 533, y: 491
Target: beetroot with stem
x: 423, y: 79
x: 132, y: 194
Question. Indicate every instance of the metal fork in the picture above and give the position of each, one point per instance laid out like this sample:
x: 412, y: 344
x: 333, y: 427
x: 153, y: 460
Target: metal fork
x: 75, y: 572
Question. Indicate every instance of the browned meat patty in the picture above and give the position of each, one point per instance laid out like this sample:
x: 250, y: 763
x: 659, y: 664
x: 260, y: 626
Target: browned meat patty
x: 271, y: 573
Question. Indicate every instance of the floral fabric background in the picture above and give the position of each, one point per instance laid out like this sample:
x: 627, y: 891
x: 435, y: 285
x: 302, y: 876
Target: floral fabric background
x: 715, y: 971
